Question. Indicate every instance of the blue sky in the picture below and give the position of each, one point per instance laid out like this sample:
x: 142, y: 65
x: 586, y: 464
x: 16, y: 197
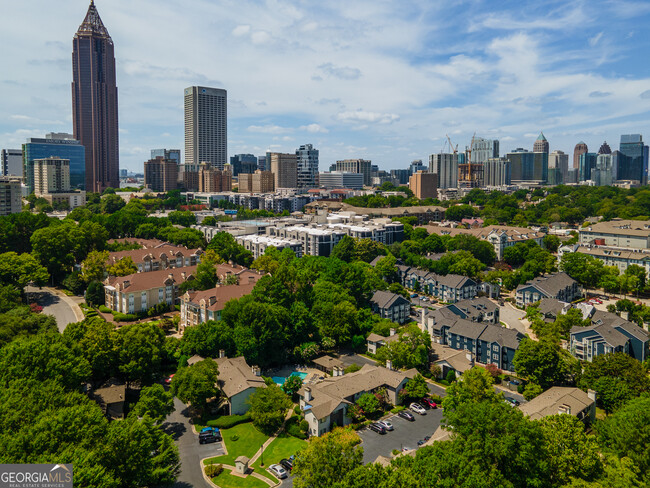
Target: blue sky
x: 381, y: 80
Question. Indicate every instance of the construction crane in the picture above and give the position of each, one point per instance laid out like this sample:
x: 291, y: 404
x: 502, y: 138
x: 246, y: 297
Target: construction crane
x: 470, y: 175
x: 451, y: 146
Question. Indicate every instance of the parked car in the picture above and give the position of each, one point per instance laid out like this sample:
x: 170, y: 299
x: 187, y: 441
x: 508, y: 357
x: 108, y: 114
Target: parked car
x: 515, y: 382
x: 169, y: 380
x: 209, y: 437
x: 421, y: 442
x: 427, y: 402
x: 387, y: 425
x: 214, y: 430
x: 417, y: 408
x: 287, y: 464
x: 278, y: 471
x: 604, y: 297
x: 414, y: 295
x: 377, y: 427
x: 597, y: 300
x: 405, y: 414
x: 512, y: 401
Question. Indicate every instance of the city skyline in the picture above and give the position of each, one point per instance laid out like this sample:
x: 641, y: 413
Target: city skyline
x: 383, y: 82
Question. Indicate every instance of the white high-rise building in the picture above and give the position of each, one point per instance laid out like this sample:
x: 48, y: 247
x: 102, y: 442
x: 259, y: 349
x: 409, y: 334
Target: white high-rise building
x: 307, y: 160
x: 484, y: 149
x: 11, y: 163
x: 445, y: 165
x: 206, y: 126
x: 497, y: 172
x: 51, y: 175
x: 558, y: 168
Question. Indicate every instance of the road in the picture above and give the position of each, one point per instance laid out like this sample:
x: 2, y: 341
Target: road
x: 512, y: 316
x: 64, y: 309
x: 191, y: 452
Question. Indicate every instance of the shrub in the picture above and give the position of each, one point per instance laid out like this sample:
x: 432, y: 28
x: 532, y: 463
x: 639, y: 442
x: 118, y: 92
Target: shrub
x: 292, y: 428
x: 395, y: 452
x: 352, y: 368
x: 397, y: 409
x: 213, y: 470
x: 234, y: 437
x: 436, y: 398
x: 104, y: 309
x: 228, y: 421
x: 304, y: 425
x: 297, y: 410
x: 451, y: 376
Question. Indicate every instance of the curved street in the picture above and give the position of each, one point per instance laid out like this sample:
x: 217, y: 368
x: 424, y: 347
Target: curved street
x: 65, y: 309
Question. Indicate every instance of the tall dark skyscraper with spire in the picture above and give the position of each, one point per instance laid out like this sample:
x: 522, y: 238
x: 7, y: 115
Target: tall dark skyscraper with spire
x: 94, y: 101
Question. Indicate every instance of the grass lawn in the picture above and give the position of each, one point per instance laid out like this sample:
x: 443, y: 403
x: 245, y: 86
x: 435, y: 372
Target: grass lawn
x: 282, y: 447
x: 249, y: 442
x: 226, y: 480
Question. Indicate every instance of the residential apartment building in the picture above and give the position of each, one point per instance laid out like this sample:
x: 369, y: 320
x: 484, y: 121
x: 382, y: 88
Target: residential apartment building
x: 449, y: 288
x: 161, y: 174
x: 257, y: 182
x: 307, y: 166
x: 362, y: 166
x: 424, y: 185
x: 613, y: 256
x: 206, y: 126
x: 497, y: 172
x: 562, y: 400
x: 63, y: 146
x: 446, y: 167
x: 10, y: 195
x: 484, y: 149
x: 155, y: 259
x: 632, y: 234
x: 285, y: 170
x: 51, y: 175
x: 213, y: 180
x: 557, y: 285
x: 258, y: 245
x: 391, y: 306
x: 11, y: 162
x: 478, y: 309
x: 423, y: 213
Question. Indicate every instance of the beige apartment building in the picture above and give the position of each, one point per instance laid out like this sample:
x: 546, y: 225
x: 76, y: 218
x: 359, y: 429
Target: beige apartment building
x: 258, y: 182
x: 213, y: 180
x: 164, y: 257
x: 51, y: 175
x: 424, y: 185
x: 285, y: 170
x: 10, y: 195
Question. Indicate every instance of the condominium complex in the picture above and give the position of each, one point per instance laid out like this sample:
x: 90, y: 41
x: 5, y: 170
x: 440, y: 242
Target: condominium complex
x: 258, y: 182
x: 634, y: 234
x: 10, y: 197
x: 206, y: 126
x: 446, y: 167
x: 362, y: 166
x: 161, y: 174
x: 484, y: 149
x: 51, y: 175
x: 285, y: 170
x: 497, y: 172
x: 424, y: 185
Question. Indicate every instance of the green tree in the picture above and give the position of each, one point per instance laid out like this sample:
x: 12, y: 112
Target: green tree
x: 141, y: 351
x: 386, y: 268
x: 366, y: 250
x: 368, y: 403
x: 410, y: 351
x: 155, y: 402
x: 476, y: 385
x: 326, y: 459
x: 20, y: 322
x: 93, y: 268
x: 268, y: 407
x: 196, y: 384
x: 344, y: 249
x: 551, y: 243
x: 532, y: 390
x: 123, y: 267
x: 207, y: 339
x: 95, y: 294
x: 416, y: 387
x: 111, y: 203
x: 541, y: 362
x: 21, y: 269
x: 292, y: 384
x: 96, y: 341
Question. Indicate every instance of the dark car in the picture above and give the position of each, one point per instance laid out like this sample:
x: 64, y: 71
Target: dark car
x: 287, y: 464
x: 405, y: 414
x: 512, y: 401
x: 428, y: 403
x: 380, y: 429
x: 208, y: 437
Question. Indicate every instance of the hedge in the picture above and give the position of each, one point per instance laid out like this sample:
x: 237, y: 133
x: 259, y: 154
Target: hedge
x: 228, y: 421
x: 213, y: 470
x: 104, y: 309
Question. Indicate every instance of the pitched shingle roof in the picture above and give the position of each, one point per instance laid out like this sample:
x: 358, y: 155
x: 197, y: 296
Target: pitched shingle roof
x: 549, y: 402
x: 385, y: 299
x: 550, y: 284
x: 235, y: 376
x: 500, y: 335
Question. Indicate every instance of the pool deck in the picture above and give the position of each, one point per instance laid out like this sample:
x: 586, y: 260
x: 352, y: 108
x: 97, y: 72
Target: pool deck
x: 286, y: 371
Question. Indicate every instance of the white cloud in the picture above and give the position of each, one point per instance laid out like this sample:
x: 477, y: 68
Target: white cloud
x: 241, y: 30
x: 363, y: 116
x: 594, y: 40
x: 260, y: 37
x: 341, y: 72
x: 314, y: 128
x: 268, y: 129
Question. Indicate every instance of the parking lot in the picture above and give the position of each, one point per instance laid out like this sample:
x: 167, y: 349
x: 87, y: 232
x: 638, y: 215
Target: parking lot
x: 405, y: 434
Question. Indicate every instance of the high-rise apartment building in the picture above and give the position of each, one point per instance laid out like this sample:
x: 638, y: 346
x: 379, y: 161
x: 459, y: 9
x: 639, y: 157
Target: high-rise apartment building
x: 497, y: 172
x: 161, y: 174
x: 445, y: 165
x: 51, y: 175
x: 206, y: 126
x: 285, y: 170
x: 10, y: 197
x: 59, y: 145
x: 580, y: 148
x: 558, y: 167
x: 362, y: 166
x: 634, y: 166
x: 541, y: 144
x: 243, y: 163
x: 11, y: 162
x: 484, y: 149
x: 213, y: 180
x: 307, y: 160
x: 424, y: 185
x: 169, y: 154
x: 94, y: 102
x: 257, y: 182
x: 415, y: 166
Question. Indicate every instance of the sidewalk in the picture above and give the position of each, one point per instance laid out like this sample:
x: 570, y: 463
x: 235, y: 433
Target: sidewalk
x: 272, y: 438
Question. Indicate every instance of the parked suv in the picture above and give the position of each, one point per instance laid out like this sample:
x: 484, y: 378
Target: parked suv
x: 208, y: 437
x: 427, y: 402
x: 405, y: 414
x: 380, y: 429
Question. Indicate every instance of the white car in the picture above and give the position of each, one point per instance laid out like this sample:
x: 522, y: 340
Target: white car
x: 417, y: 408
x: 278, y: 471
x: 387, y: 425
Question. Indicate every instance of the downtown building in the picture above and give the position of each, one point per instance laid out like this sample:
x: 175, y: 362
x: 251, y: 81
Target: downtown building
x: 424, y: 185
x: 257, y: 182
x: 445, y: 165
x: 633, y: 163
x: 336, y: 179
x: 284, y: 167
x: 11, y: 162
x: 10, y: 195
x: 206, y: 126
x: 497, y: 172
x: 60, y: 145
x: 307, y: 166
x: 362, y: 166
x: 161, y: 174
x: 52, y: 182
x: 94, y: 102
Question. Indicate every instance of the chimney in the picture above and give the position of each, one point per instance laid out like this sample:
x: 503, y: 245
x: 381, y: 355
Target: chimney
x: 393, y: 331
x: 251, y: 279
x: 625, y: 315
x: 307, y: 394
x: 592, y: 395
x: 389, y: 364
x: 257, y: 371
x: 564, y: 408
x: 469, y: 357
x: 424, y: 320
x: 222, y: 353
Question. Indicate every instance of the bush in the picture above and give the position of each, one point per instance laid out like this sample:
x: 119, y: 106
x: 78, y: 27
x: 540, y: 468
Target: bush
x: 304, y: 425
x: 397, y: 409
x: 436, y: 398
x: 234, y: 437
x: 213, y: 470
x: 292, y: 428
x: 297, y: 410
x: 451, y: 376
x: 104, y: 309
x: 352, y: 368
x: 228, y: 421
x: 395, y: 452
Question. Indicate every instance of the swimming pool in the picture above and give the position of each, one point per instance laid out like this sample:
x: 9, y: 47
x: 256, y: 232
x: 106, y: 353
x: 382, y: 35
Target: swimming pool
x: 279, y: 380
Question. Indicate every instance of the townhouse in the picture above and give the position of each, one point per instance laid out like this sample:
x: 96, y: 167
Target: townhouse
x: 448, y: 288
x: 391, y: 306
x: 557, y: 285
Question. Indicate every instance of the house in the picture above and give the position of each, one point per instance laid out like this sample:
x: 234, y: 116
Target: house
x: 477, y: 310
x: 111, y: 400
x: 163, y: 256
x: 609, y: 333
x: 375, y: 341
x: 449, y: 359
x: 198, y: 307
x: 557, y: 285
x: 238, y: 381
x: 562, y: 400
x: 329, y: 365
x: 391, y: 306
x: 139, y: 292
x: 325, y: 404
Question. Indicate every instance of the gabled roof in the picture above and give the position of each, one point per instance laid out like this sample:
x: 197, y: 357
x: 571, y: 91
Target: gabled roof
x: 549, y: 402
x: 608, y: 333
x: 454, y: 280
x: 235, y: 376
x: 495, y: 334
x: 552, y: 306
x: 378, y: 338
x: 467, y: 328
x: 550, y: 284
x: 216, y: 298
x: 145, y: 281
x: 473, y: 307
x: 385, y: 299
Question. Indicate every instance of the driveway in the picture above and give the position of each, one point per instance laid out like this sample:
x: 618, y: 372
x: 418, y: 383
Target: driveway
x: 350, y: 359
x: 64, y: 309
x: 191, y: 452
x: 512, y: 317
x: 406, y: 434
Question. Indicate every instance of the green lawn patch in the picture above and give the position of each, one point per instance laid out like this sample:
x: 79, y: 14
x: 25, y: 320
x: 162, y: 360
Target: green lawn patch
x: 247, y: 444
x: 282, y: 447
x: 226, y: 480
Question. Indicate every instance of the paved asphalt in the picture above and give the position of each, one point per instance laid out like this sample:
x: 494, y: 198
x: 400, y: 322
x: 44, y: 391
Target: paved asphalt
x: 191, y: 452
x: 53, y: 305
x: 512, y: 317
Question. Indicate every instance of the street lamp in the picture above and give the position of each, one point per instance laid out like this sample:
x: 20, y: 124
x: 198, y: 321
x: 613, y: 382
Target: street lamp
x: 262, y: 455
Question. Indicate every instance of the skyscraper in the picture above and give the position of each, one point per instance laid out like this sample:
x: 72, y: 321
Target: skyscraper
x: 206, y: 126
x: 161, y: 174
x: 285, y: 170
x: 558, y: 168
x: 243, y: 163
x: 484, y: 149
x: 541, y: 144
x: 307, y: 158
x: 11, y: 162
x: 581, y: 148
x: 497, y: 172
x: 634, y: 166
x: 445, y: 165
x: 171, y: 154
x: 356, y: 166
x: 94, y: 101
x: 61, y: 145
x: 587, y: 163
x: 522, y: 165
